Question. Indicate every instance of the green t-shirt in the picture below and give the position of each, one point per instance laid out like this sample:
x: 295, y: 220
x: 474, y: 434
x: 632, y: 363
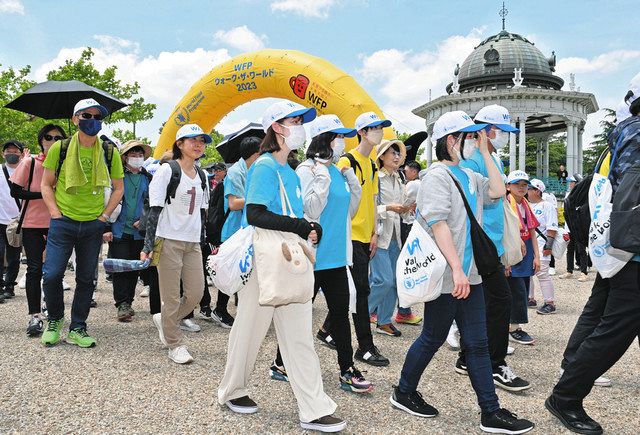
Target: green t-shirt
x: 85, y: 204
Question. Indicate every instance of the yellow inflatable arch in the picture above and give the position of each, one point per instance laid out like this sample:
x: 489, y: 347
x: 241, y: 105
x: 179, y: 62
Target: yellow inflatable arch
x: 294, y: 75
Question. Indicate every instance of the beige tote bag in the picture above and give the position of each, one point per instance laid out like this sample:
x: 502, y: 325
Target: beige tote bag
x: 511, y: 237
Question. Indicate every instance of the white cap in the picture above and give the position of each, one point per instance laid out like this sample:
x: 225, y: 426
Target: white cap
x: 192, y: 130
x: 622, y: 112
x: 496, y: 115
x: 332, y: 123
x: 453, y: 122
x: 515, y: 176
x: 286, y: 109
x: 370, y: 119
x: 538, y: 184
x: 88, y: 103
x: 634, y: 90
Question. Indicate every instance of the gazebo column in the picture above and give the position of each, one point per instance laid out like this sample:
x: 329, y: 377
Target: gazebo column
x: 545, y: 144
x: 580, y: 157
x: 571, y: 148
x: 522, y: 150
x: 539, y: 158
x: 512, y: 149
x: 429, y: 146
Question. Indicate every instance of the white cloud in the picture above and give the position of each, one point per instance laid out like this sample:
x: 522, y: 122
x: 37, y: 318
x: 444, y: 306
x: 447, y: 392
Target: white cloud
x: 306, y: 8
x: 241, y: 38
x: 605, y: 63
x: 11, y: 7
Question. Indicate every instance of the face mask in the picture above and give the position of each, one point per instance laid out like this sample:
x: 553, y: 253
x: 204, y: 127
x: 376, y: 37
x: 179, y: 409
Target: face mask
x: 501, y: 139
x: 135, y: 162
x: 12, y: 159
x: 90, y: 127
x: 338, y: 148
x: 469, y: 148
x: 375, y: 136
x: 296, y: 137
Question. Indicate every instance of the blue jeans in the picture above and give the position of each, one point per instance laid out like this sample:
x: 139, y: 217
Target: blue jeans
x: 470, y: 316
x: 519, y: 299
x: 65, y: 234
x: 382, y: 280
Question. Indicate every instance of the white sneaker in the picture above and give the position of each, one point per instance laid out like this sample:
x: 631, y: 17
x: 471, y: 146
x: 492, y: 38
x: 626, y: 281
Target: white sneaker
x: 600, y: 382
x: 189, y: 325
x: 65, y: 286
x: 180, y: 355
x: 552, y: 271
x: 452, y: 338
x: 510, y: 350
x: 145, y: 292
x: 22, y: 284
x: 567, y: 275
x: 583, y: 277
x: 157, y: 320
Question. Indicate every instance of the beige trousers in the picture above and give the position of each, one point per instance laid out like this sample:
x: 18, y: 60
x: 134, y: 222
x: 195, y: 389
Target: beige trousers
x: 293, y: 330
x: 179, y: 260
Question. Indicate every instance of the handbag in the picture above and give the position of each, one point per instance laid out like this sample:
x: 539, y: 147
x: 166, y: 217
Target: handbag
x: 14, y: 229
x: 231, y: 267
x: 511, y: 237
x: 283, y: 263
x: 485, y: 253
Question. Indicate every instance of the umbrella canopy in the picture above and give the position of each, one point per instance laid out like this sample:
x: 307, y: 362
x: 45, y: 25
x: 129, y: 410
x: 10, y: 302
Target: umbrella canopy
x: 229, y: 147
x: 56, y: 99
x: 413, y: 144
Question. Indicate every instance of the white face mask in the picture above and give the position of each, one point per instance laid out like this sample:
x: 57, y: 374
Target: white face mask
x: 469, y: 148
x: 338, y: 148
x: 135, y: 162
x: 375, y: 136
x: 501, y: 139
x: 297, y: 137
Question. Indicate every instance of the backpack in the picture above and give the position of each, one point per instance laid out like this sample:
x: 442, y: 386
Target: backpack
x: 216, y: 216
x: 576, y: 211
x: 107, y: 147
x: 355, y: 165
x: 625, y: 212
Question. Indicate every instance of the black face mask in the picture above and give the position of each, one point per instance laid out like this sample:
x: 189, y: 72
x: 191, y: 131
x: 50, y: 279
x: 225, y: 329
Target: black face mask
x: 12, y: 159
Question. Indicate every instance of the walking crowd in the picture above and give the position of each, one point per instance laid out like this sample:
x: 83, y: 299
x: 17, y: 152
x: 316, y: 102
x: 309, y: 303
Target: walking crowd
x: 342, y: 220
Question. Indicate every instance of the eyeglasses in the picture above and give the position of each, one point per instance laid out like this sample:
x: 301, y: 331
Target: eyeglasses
x: 396, y: 153
x: 87, y: 115
x: 50, y: 138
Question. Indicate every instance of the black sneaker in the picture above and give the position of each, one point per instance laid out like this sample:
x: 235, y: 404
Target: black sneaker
x: 35, y: 326
x: 224, y: 319
x: 372, y: 356
x: 504, y: 378
x: 461, y: 367
x: 413, y: 403
x: 328, y: 423
x: 124, y: 312
x: 205, y: 314
x: 109, y: 277
x: 1, y: 298
x: 576, y: 420
x: 520, y: 336
x: 503, y: 421
x: 326, y: 339
x: 94, y: 304
x: 9, y: 293
x: 242, y: 405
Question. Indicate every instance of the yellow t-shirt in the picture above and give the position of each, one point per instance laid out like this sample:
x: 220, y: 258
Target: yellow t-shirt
x: 362, y: 224
x: 604, y: 167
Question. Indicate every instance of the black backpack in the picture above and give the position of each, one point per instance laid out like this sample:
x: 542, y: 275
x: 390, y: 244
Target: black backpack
x: 355, y: 165
x: 625, y: 212
x: 576, y: 211
x: 108, y: 148
x: 216, y: 216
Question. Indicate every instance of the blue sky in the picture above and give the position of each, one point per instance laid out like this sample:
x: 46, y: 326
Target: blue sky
x: 396, y: 49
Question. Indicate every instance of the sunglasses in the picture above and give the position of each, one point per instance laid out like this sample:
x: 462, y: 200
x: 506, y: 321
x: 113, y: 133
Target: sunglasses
x: 87, y: 115
x: 50, y: 138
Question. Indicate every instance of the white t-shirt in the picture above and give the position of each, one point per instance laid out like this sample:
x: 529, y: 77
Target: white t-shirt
x: 551, y: 199
x: 181, y: 219
x: 548, y: 218
x: 8, y: 207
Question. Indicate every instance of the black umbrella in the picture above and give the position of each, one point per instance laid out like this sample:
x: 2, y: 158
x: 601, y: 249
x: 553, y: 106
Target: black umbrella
x: 229, y: 147
x: 56, y: 99
x: 413, y: 144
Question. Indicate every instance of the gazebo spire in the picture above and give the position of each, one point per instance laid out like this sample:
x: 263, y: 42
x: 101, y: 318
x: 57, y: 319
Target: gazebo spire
x: 503, y: 13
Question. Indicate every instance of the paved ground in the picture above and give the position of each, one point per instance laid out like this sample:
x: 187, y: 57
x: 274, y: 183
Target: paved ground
x: 128, y: 385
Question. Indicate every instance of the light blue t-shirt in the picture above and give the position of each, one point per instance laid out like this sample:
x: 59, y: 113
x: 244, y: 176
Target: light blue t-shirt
x: 492, y: 214
x: 464, y: 181
x: 234, y: 184
x: 263, y: 186
x: 332, y: 249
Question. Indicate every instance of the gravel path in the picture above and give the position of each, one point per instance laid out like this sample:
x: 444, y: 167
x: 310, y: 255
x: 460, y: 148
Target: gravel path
x: 128, y: 385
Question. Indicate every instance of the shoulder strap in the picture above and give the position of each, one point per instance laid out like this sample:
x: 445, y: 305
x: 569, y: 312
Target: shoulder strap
x: 203, y: 178
x: 174, y: 181
x: 26, y: 201
x: 355, y: 165
x: 107, y: 148
x: 464, y: 198
x: 6, y: 175
x: 64, y: 146
x: 284, y: 199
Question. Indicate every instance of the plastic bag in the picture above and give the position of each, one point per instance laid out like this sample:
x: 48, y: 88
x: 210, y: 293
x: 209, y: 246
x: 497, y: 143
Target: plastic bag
x: 560, y: 243
x: 231, y: 268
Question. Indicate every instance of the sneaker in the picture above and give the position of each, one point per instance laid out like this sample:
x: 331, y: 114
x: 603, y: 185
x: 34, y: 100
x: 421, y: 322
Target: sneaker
x: 583, y: 277
x: 504, y: 421
x: 22, y: 284
x: 372, y: 357
x: 1, y: 298
x: 552, y: 271
x: 567, y: 275
x: 326, y: 339
x: 44, y: 311
x: 35, y: 326
x: 242, y: 405
x: 452, y: 338
x: 504, y: 378
x: 388, y: 329
x: 510, y: 350
x: 9, y: 293
x: 157, y: 320
x: 51, y: 336
x: 352, y: 380
x: 205, y: 314
x: 413, y: 403
x: 575, y: 419
x: 408, y: 319
x: 124, y: 312
x: 144, y: 293
x: 94, y: 304
x: 66, y: 286
x: 278, y: 373
x: 80, y: 338
x: 109, y: 278
x: 328, y: 423
x: 180, y: 355
x: 461, y: 367
x: 224, y: 320
x: 189, y: 325
x: 547, y: 309
x: 532, y: 303
x: 600, y: 382
x: 373, y: 319
x: 519, y: 336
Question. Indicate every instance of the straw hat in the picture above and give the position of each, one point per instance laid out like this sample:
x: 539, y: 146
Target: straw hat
x: 386, y: 144
x: 135, y: 143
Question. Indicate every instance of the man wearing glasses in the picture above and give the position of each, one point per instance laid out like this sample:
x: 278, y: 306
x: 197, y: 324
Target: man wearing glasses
x: 74, y: 192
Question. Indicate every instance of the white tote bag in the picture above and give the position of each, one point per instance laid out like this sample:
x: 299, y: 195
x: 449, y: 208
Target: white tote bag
x: 511, y: 241
x: 607, y: 260
x: 560, y: 243
x: 419, y: 269
x: 231, y: 268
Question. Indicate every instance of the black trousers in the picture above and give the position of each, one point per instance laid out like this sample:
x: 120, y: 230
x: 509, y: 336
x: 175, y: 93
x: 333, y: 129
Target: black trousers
x: 578, y: 252
x: 616, y: 329
x: 34, y: 241
x: 124, y: 283
x: 497, y: 298
x: 154, y: 290
x: 9, y: 274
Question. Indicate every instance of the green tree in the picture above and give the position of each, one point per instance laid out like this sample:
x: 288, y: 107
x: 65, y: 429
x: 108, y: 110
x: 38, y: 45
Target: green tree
x: 211, y: 154
x: 593, y: 152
